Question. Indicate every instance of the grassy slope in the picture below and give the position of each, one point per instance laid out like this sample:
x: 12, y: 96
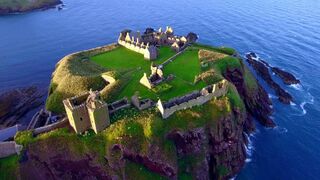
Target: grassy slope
x: 72, y: 77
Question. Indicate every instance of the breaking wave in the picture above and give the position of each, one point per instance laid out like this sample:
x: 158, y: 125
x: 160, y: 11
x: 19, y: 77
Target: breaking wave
x: 296, y: 87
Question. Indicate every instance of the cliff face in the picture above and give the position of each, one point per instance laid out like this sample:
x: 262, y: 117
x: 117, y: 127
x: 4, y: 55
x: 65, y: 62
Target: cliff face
x: 216, y: 152
x: 212, y: 150
x: 256, y: 99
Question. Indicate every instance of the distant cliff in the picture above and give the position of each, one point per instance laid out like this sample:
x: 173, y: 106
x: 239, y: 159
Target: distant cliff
x: 18, y: 6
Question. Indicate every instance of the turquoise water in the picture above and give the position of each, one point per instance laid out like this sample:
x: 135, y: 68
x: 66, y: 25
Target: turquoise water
x: 284, y: 33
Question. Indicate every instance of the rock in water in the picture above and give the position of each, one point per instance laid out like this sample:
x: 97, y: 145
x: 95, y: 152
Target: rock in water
x: 286, y: 77
x: 16, y: 103
x: 262, y: 69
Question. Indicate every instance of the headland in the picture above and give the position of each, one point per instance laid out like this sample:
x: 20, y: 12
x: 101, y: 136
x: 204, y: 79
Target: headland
x: 154, y: 104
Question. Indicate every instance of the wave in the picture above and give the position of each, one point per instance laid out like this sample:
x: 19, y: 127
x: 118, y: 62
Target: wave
x: 292, y: 103
x: 249, y: 147
x: 281, y: 130
x: 271, y: 96
x: 296, y: 87
x: 304, y: 112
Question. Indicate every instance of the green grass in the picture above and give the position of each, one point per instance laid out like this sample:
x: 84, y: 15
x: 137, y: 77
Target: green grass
x: 9, y: 167
x: 225, y: 50
x: 185, y: 67
x: 221, y: 65
x: 234, y: 98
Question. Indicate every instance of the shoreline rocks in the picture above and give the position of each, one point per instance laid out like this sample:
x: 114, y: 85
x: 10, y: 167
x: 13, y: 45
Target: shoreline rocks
x: 14, y: 104
x: 262, y: 70
x: 285, y: 76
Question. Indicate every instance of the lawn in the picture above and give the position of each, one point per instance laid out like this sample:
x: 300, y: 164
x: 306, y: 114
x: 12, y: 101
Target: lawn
x: 185, y: 67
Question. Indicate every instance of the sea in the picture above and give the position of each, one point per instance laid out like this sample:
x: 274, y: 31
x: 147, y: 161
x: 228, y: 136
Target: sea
x: 285, y: 33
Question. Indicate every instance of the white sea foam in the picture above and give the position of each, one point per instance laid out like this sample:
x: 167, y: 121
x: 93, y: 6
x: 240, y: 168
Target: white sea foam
x: 302, y: 107
x: 271, y: 96
x: 296, y: 87
x: 249, y: 147
x: 292, y: 103
x: 281, y: 130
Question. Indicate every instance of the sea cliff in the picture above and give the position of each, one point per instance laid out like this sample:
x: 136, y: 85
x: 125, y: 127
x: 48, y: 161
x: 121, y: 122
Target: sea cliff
x: 20, y: 6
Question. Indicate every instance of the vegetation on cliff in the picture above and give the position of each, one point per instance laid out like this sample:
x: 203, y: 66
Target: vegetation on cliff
x: 15, y: 6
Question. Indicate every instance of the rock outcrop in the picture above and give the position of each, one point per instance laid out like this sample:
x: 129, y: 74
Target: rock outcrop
x: 262, y: 70
x: 286, y: 77
x: 257, y: 102
x: 14, y: 104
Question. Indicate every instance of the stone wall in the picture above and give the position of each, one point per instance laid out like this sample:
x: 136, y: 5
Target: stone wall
x: 219, y: 89
x: 78, y: 114
x: 142, y: 49
x: 99, y: 118
x: 9, y: 148
x: 141, y: 104
x: 108, y: 78
x: 44, y: 129
x: 145, y: 81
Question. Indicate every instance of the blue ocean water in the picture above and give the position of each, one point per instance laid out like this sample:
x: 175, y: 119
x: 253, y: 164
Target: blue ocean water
x: 285, y: 33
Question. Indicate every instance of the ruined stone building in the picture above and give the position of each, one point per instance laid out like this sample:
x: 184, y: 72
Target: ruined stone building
x: 154, y: 79
x: 87, y: 111
x: 195, y: 98
x: 148, y: 42
x: 134, y: 42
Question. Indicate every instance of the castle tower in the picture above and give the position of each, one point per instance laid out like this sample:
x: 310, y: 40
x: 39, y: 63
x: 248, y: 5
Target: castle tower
x: 77, y: 113
x: 98, y: 112
x: 87, y: 111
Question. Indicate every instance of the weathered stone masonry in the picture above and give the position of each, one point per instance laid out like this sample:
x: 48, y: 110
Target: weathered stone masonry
x: 195, y: 98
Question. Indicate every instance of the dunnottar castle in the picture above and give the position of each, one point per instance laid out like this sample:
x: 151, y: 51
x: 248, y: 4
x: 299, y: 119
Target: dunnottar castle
x: 89, y: 111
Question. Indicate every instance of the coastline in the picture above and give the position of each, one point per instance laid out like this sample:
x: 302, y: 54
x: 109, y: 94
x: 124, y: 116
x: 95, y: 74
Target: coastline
x: 29, y: 8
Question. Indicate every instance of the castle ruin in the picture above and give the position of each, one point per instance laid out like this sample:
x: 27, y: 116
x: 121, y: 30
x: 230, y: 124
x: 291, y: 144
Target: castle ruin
x: 148, y: 42
x: 87, y: 111
x: 154, y: 79
x: 195, y: 98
